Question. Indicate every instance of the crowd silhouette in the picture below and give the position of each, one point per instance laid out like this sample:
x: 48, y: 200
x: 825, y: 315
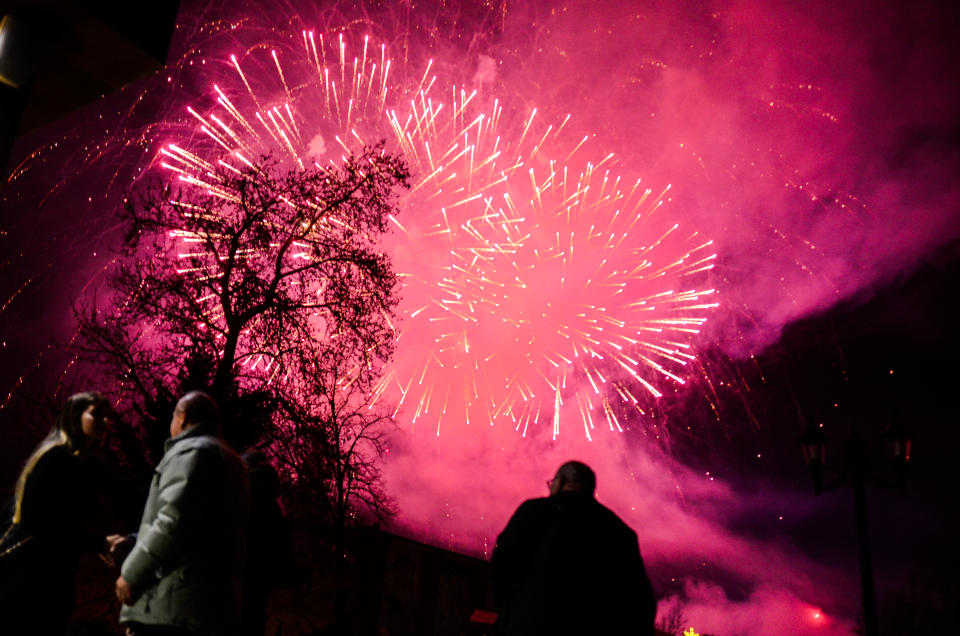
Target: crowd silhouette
x: 213, y: 542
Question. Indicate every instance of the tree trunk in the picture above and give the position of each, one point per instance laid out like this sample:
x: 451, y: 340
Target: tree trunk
x: 224, y: 375
x: 339, y: 567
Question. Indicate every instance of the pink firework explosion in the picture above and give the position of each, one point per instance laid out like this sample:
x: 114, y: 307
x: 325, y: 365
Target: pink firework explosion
x: 567, y: 292
x: 533, y: 292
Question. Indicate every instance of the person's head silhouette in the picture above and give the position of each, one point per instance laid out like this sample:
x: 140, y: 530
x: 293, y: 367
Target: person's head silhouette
x: 573, y: 476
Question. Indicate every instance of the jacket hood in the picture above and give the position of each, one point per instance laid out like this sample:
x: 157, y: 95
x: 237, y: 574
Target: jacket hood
x: 194, y: 431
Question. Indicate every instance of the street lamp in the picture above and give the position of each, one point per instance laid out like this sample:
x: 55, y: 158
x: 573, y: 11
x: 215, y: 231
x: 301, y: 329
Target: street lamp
x: 813, y: 446
x: 901, y: 442
x: 17, y: 52
x: 18, y: 59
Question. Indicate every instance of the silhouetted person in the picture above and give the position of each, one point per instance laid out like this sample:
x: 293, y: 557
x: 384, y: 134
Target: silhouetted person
x: 184, y: 575
x: 270, y: 554
x: 48, y: 524
x: 565, y: 565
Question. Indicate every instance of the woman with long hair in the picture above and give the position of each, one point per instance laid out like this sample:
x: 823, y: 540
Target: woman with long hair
x: 50, y: 522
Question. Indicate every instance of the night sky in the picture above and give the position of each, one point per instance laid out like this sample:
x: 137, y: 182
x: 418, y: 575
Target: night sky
x: 817, y: 147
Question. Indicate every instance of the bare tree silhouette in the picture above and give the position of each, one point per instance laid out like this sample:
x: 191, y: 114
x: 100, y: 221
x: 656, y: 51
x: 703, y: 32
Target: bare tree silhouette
x: 267, y: 287
x: 335, y: 438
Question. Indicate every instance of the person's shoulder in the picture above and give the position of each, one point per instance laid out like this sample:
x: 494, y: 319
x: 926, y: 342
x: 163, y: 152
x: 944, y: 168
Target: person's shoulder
x: 536, y: 502
x: 55, y: 467
x: 614, y: 520
x: 57, y: 452
x: 202, y: 450
x: 188, y: 452
x: 531, y: 511
x: 209, y: 441
x: 56, y: 456
x: 195, y: 443
x: 533, y: 506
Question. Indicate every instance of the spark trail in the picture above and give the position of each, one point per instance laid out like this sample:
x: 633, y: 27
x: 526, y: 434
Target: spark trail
x: 533, y: 292
x: 564, y: 300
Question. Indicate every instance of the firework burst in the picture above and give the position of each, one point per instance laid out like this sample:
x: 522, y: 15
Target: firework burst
x: 577, y: 296
x: 530, y: 289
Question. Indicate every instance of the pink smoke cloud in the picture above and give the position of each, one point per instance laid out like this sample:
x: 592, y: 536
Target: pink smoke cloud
x: 459, y: 491
x: 706, y: 608
x: 812, y: 144
x: 807, y: 142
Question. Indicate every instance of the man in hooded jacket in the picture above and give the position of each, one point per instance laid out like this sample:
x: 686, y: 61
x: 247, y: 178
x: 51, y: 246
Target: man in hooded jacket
x: 185, y: 573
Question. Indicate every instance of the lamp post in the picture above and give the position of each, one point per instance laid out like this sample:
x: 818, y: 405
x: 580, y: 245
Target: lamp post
x: 813, y: 446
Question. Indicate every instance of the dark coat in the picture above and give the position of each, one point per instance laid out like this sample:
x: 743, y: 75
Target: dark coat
x: 56, y: 527
x: 568, y: 565
x: 270, y: 551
